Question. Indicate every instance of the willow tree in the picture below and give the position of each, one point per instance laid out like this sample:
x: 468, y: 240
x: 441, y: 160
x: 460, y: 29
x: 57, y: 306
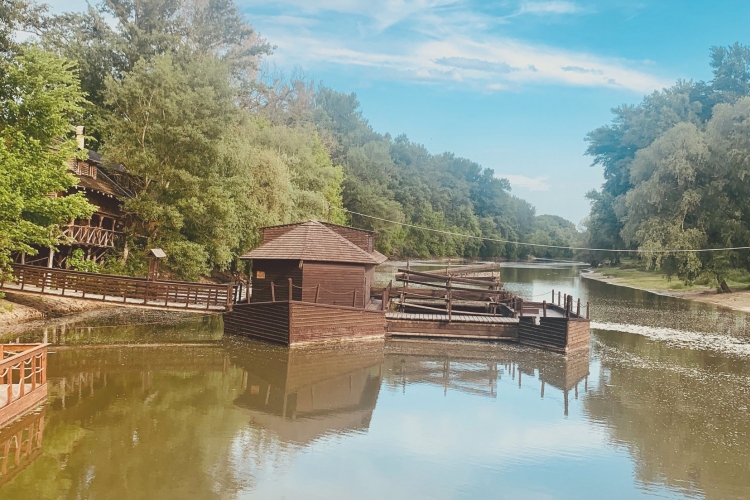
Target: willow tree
x: 39, y: 100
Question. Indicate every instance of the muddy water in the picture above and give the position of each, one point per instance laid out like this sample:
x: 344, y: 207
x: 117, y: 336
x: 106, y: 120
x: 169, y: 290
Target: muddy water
x: 659, y: 408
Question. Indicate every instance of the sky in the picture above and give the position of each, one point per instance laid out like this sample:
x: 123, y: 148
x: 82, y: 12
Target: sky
x: 514, y: 85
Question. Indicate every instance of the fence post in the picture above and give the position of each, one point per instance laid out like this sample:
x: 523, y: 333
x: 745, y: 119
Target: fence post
x: 558, y: 299
x: 273, y: 292
x: 553, y: 295
x: 290, y: 290
x: 578, y: 308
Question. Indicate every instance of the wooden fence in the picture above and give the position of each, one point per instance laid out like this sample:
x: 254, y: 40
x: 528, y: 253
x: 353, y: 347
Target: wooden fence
x: 120, y: 289
x: 23, y: 378
x: 91, y: 235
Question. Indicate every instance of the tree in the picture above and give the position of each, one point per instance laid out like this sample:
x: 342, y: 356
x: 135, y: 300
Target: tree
x: 39, y: 101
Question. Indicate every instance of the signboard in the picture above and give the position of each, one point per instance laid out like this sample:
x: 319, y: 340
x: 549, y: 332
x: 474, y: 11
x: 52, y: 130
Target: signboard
x: 261, y: 275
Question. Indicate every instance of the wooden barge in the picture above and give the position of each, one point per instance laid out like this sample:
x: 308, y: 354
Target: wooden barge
x: 313, y: 282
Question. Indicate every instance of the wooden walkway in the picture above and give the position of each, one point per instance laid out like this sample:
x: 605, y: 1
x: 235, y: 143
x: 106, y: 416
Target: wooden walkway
x: 455, y: 318
x: 121, y: 290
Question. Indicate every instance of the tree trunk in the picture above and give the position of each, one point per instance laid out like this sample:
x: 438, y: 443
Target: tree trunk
x: 724, y: 287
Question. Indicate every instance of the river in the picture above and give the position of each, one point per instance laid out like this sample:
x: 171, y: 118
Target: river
x: 660, y: 408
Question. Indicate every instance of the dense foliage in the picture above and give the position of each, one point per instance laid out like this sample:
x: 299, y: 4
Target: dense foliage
x: 677, y: 173
x: 217, y: 149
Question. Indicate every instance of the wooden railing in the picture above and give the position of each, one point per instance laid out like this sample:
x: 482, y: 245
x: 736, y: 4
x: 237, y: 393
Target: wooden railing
x: 91, y: 235
x: 120, y: 289
x: 23, y: 378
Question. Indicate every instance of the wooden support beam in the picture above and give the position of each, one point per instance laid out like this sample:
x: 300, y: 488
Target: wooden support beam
x: 290, y: 290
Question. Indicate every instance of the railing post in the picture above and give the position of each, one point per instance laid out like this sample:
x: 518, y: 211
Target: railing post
x: 229, y: 296
x: 558, y: 299
x: 544, y: 308
x: 290, y: 290
x: 450, y: 300
x: 588, y: 304
x: 385, y: 299
x: 273, y: 293
x: 33, y: 372
x: 578, y: 308
x: 553, y: 296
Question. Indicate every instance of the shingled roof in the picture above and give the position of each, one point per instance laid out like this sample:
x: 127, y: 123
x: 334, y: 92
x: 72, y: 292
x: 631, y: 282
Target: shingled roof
x: 313, y: 241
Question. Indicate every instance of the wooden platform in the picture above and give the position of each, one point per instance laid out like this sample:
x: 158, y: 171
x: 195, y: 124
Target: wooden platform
x: 23, y: 379
x: 459, y: 326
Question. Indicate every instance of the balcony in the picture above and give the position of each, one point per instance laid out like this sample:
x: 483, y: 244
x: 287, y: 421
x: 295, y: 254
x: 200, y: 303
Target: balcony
x: 91, y: 236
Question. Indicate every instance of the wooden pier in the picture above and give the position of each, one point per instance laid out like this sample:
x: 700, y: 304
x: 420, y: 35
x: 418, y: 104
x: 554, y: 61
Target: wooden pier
x: 23, y: 379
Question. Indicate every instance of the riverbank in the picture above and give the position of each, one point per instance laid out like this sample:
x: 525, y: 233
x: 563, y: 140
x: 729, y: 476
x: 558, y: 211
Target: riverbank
x: 739, y: 300
x: 18, y: 309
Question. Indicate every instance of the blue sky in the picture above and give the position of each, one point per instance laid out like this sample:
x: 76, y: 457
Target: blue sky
x: 512, y: 84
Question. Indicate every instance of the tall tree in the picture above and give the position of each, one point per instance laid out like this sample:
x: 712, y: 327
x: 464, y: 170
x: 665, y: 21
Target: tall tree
x: 40, y: 99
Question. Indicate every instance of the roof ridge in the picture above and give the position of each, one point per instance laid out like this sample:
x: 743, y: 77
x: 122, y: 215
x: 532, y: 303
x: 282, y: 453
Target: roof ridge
x: 344, y: 239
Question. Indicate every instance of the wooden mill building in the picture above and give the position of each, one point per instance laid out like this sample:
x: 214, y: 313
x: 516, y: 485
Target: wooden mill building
x: 310, y: 282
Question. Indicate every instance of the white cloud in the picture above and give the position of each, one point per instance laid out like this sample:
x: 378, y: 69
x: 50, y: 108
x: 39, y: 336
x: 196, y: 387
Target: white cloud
x: 482, y: 62
x: 382, y: 14
x: 551, y: 7
x: 523, y: 182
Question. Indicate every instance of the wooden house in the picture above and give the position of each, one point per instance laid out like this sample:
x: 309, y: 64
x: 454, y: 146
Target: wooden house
x: 104, y: 186
x: 310, y: 282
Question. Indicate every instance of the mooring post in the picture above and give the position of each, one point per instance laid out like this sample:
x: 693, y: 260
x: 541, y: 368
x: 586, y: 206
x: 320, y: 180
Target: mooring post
x: 317, y: 292
x: 588, y: 304
x: 578, y: 308
x: 273, y: 292
x: 290, y: 290
x: 544, y: 308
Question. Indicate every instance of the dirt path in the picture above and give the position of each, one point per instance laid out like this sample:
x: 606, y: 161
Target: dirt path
x: 16, y: 309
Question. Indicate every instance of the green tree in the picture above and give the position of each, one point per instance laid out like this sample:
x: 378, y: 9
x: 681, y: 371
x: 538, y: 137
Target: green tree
x: 39, y: 100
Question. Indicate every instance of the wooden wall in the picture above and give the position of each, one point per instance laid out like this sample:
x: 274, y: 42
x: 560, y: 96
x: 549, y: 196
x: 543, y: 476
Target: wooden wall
x: 362, y: 239
x: 300, y: 322
x: 337, y: 283
x: 267, y: 321
x: 556, y: 334
x: 320, y: 322
x: 278, y: 272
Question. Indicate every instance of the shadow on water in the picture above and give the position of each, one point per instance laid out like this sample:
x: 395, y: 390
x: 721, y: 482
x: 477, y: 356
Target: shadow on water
x: 177, y: 411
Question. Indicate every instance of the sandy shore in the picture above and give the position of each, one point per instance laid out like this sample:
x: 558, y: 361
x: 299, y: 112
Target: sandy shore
x: 738, y: 301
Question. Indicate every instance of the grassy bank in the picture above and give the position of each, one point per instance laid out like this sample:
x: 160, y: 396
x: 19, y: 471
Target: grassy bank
x: 633, y: 274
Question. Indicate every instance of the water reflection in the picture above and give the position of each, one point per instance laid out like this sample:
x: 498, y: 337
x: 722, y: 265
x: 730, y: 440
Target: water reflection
x: 303, y: 394
x: 175, y: 411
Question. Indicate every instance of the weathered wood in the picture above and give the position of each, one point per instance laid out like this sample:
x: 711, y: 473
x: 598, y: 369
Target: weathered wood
x: 429, y: 278
x: 469, y: 269
x: 122, y: 290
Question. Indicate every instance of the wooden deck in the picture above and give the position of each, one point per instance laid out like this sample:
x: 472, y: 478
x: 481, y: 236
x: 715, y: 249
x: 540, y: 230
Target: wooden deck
x: 457, y: 326
x: 23, y: 379
x: 455, y: 318
x: 121, y: 290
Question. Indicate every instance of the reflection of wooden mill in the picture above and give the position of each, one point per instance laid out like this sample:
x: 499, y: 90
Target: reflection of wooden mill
x: 304, y: 393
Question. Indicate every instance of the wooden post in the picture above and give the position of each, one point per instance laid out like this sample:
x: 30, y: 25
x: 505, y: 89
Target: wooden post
x: 385, y: 299
x: 229, y: 296
x: 553, y: 295
x: 588, y: 304
x: 578, y: 308
x: 520, y: 307
x: 273, y: 293
x: 247, y: 291
x: 450, y: 301
x: 544, y: 308
x: 317, y: 293
x: 290, y: 290
x: 354, y: 299
x: 558, y: 299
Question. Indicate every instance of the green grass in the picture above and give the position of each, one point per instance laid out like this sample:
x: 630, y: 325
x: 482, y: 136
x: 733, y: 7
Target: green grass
x: 634, y: 273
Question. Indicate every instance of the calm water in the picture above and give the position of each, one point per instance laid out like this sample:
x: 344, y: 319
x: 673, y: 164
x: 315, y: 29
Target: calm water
x: 659, y: 408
